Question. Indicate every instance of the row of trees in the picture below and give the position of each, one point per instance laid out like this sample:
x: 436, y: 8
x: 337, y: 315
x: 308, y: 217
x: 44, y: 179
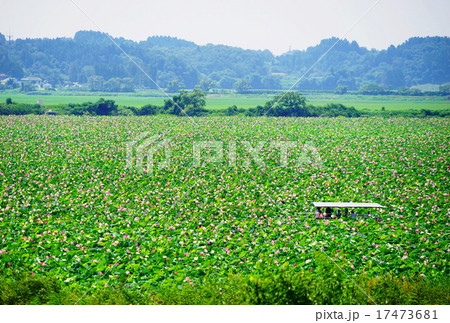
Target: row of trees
x: 101, y: 108
x: 293, y: 104
x: 289, y: 104
x: 97, y: 83
x: 244, y: 86
x: 377, y: 89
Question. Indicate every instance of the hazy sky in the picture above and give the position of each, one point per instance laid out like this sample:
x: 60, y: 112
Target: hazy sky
x: 276, y: 25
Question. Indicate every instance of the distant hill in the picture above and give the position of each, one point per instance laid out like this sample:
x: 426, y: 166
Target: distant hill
x: 91, y: 56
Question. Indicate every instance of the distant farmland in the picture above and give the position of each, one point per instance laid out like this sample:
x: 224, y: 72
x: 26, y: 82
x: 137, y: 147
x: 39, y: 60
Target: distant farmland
x: 223, y: 101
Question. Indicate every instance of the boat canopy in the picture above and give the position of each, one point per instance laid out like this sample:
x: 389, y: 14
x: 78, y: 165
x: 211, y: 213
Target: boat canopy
x: 347, y: 204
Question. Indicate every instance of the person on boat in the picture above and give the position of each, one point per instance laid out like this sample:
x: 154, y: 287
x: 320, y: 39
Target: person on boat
x: 328, y: 212
x: 346, y: 213
x: 319, y: 214
x: 338, y: 214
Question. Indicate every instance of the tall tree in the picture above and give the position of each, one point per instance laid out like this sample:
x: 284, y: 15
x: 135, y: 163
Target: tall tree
x: 289, y: 104
x: 187, y: 103
x: 242, y: 86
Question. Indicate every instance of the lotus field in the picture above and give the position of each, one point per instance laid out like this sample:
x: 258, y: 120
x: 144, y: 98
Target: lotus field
x: 70, y: 207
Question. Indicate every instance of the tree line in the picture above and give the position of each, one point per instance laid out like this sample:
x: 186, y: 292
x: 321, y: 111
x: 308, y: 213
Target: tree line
x: 90, y: 59
x: 193, y: 104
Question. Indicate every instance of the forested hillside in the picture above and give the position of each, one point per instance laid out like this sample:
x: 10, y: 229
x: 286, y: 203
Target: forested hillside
x: 91, y: 58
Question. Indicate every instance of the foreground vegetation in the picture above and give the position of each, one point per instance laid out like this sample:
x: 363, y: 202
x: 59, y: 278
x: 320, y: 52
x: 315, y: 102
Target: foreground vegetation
x: 74, y: 220
x: 329, y: 286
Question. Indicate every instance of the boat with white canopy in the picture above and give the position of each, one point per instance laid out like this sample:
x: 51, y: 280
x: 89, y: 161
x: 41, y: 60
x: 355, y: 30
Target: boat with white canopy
x: 330, y: 206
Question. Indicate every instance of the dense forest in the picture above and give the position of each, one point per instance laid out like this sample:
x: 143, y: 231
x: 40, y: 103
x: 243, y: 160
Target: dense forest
x: 93, y: 60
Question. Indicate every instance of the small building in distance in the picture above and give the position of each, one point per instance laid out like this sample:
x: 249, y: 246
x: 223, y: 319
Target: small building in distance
x: 10, y: 79
x: 34, y: 80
